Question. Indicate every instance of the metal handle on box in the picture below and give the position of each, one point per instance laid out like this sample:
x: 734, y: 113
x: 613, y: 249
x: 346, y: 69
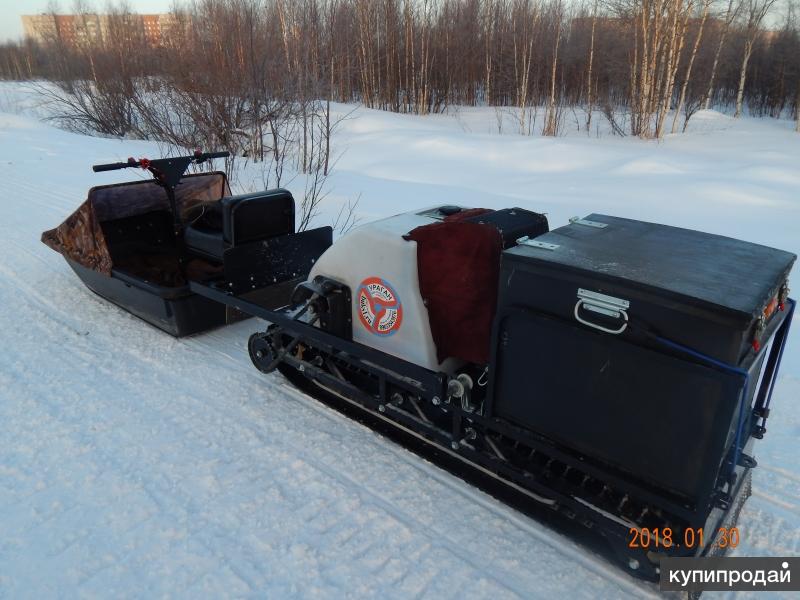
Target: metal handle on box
x: 605, y: 305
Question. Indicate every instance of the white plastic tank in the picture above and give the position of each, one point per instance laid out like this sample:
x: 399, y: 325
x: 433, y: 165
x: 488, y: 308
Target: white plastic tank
x: 380, y: 268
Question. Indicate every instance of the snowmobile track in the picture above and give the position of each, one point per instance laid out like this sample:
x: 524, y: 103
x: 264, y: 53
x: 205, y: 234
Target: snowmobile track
x: 559, y: 543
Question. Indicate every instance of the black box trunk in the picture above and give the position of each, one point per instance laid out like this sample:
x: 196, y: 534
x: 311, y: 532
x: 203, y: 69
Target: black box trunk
x: 584, y: 318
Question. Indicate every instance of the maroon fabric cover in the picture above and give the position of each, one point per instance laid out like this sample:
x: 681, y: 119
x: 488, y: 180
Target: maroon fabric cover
x: 459, y: 264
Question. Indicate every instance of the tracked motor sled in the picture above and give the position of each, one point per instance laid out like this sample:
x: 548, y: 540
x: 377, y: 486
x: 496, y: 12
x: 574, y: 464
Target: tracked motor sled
x: 609, y: 377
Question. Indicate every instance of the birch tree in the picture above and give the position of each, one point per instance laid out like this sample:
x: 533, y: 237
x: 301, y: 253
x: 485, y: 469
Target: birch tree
x: 525, y: 20
x: 687, y: 76
x: 589, y: 97
x: 755, y: 11
x: 551, y: 117
x: 734, y: 7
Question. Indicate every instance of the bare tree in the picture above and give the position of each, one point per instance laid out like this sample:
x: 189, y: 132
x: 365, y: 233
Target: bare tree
x: 489, y: 26
x: 270, y: 63
x: 551, y: 125
x: 658, y: 40
x: 525, y: 18
x: 755, y: 11
x: 677, y: 25
x: 688, y: 75
x: 692, y: 105
x: 734, y: 7
x: 589, y: 97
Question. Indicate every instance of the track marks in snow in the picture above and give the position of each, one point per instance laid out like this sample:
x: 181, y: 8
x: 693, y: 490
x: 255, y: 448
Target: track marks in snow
x: 158, y: 413
x: 132, y: 464
x: 468, y: 494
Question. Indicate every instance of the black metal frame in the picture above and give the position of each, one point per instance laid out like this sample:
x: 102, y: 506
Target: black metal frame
x: 522, y: 468
x: 167, y: 172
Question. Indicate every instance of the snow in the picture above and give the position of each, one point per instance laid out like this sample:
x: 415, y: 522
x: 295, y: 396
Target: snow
x: 136, y: 465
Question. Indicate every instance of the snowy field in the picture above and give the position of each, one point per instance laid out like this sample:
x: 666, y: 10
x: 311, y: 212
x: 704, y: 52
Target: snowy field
x: 136, y: 465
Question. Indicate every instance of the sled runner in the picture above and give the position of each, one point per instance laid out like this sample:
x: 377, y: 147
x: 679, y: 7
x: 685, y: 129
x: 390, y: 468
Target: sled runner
x: 609, y: 377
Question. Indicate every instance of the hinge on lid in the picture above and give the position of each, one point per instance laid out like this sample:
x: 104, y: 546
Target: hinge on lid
x: 587, y: 222
x: 536, y: 243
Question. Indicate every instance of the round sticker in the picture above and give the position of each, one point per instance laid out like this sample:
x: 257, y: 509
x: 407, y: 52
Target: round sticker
x: 379, y: 307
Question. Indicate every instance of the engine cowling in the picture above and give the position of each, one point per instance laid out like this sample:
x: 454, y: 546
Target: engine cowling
x: 380, y: 268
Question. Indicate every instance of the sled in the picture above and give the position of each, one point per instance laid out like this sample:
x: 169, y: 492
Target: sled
x: 139, y: 244
x: 609, y: 378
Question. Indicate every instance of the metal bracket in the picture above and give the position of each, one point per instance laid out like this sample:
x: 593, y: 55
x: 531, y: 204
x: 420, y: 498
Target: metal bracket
x: 596, y: 301
x: 722, y: 500
x: 588, y: 223
x: 747, y: 461
x: 536, y: 243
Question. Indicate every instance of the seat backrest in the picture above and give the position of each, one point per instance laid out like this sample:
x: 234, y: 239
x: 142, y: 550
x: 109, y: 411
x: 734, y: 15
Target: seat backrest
x: 250, y: 217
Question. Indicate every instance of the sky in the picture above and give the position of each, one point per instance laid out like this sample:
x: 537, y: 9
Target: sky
x: 10, y: 11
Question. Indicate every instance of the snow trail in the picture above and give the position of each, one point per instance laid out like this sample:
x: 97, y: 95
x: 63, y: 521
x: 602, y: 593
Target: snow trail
x: 136, y: 465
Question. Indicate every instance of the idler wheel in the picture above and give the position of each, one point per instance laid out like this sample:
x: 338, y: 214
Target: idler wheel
x: 261, y: 352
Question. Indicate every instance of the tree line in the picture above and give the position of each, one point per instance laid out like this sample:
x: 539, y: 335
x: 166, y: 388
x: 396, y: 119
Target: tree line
x: 236, y: 65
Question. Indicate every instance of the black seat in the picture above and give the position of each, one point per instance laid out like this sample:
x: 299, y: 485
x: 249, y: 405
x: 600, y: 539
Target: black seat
x: 238, y: 220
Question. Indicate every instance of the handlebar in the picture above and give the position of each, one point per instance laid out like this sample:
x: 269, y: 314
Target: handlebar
x: 197, y: 157
x: 214, y: 155
x: 111, y: 166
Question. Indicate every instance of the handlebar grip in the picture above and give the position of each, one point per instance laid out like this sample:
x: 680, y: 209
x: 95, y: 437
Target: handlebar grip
x: 215, y: 155
x: 113, y: 166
